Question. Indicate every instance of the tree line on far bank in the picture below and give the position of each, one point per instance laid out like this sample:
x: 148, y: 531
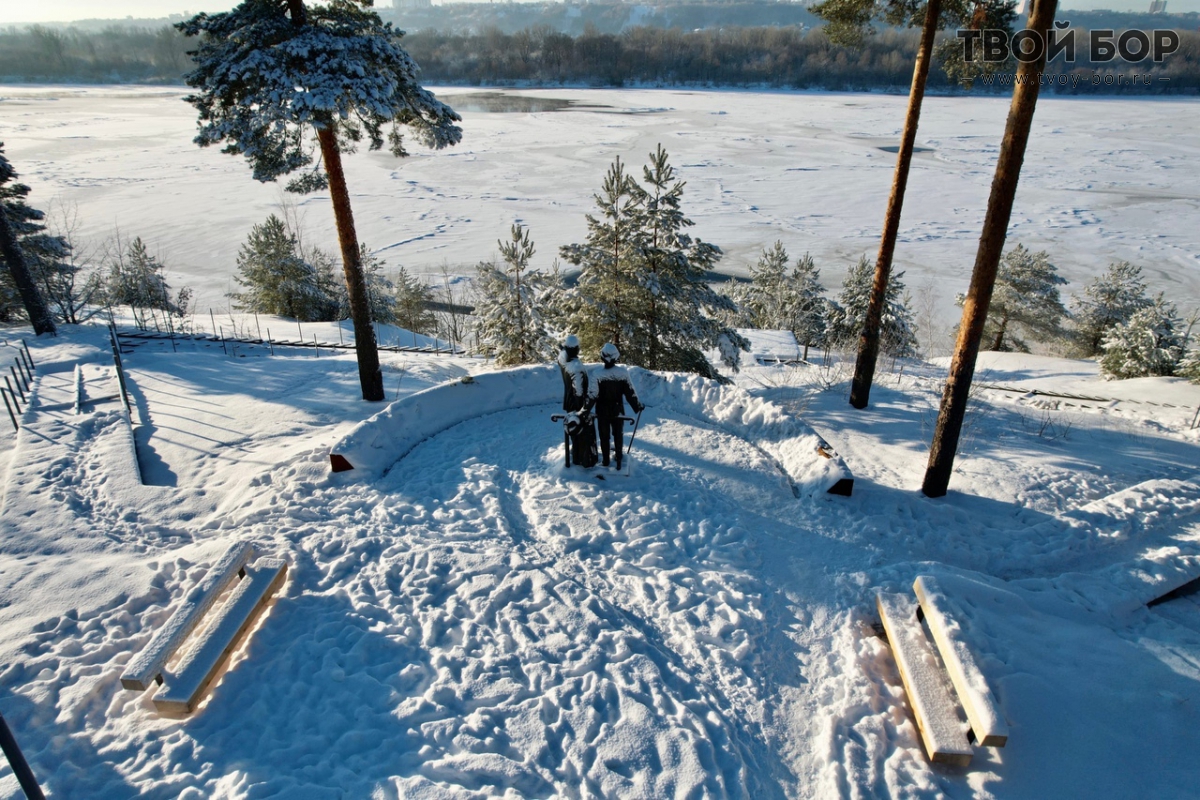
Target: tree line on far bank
x: 775, y: 57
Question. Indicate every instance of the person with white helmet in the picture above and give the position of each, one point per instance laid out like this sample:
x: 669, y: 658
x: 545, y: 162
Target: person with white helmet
x: 575, y: 388
x: 609, y: 387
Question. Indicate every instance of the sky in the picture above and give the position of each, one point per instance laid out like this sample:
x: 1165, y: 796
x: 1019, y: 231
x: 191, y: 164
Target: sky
x: 20, y: 11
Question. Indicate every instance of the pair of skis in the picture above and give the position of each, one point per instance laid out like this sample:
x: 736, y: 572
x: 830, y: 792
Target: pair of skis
x: 567, y: 438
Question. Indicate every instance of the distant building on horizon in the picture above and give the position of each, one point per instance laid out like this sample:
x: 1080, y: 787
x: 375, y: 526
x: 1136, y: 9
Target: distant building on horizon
x: 1158, y: 6
x: 411, y: 4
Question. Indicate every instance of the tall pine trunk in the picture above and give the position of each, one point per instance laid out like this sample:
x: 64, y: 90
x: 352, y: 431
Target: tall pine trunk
x: 987, y: 260
x: 370, y: 376
x: 868, y: 343
x: 35, y: 306
x: 365, y: 347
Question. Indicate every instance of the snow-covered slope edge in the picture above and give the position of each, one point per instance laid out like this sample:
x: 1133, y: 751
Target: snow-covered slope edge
x: 376, y: 444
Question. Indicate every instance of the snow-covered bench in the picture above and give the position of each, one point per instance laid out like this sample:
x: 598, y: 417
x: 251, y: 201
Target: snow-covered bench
x: 182, y: 686
x: 983, y: 712
x: 930, y: 696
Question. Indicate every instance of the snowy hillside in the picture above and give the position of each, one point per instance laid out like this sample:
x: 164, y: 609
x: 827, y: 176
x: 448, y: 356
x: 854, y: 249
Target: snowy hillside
x: 475, y: 621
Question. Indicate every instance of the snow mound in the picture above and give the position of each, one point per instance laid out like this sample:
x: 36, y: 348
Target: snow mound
x: 375, y: 444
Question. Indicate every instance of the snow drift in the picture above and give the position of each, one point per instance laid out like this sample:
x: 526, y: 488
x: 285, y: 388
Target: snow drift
x: 375, y: 444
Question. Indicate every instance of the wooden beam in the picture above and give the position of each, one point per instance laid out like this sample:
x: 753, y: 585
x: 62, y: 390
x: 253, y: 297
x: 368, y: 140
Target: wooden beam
x: 983, y: 712
x: 928, y: 695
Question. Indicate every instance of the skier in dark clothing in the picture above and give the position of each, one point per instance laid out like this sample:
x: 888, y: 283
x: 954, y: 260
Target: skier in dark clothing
x: 582, y: 431
x: 609, y: 387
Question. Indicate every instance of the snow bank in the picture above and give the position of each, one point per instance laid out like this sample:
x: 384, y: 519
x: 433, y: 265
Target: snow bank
x: 376, y: 444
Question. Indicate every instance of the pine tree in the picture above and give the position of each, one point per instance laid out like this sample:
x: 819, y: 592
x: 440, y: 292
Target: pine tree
x: 607, y: 280
x: 1110, y: 300
x: 676, y: 312
x: 1189, y: 365
x: 1150, y: 343
x: 381, y: 290
x: 849, y: 23
x: 24, y: 246
x: 896, y: 337
x: 1025, y: 303
x: 275, y: 278
x: 808, y: 308
x: 766, y: 303
x: 643, y: 280
x: 511, y: 325
x: 137, y: 279
x: 412, y: 304
x: 271, y: 73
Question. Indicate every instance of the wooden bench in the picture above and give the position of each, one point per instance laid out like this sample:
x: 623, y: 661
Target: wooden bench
x: 928, y: 695
x: 983, y: 712
x: 182, y: 687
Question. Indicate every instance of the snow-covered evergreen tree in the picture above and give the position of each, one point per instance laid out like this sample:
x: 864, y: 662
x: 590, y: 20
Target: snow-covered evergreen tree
x: 1110, y: 300
x: 1025, y: 306
x: 45, y: 257
x: 766, y: 299
x: 896, y: 336
x: 676, y: 312
x: 1189, y: 365
x: 602, y: 300
x: 277, y: 80
x: 275, y: 279
x: 1150, y: 343
x: 412, y: 303
x: 808, y: 308
x: 380, y: 289
x: 137, y: 279
x: 510, y: 323
x: 643, y: 284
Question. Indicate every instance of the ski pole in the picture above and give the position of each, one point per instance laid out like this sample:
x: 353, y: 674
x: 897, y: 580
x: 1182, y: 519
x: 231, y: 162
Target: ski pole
x: 20, y: 766
x: 566, y: 435
x: 632, y: 436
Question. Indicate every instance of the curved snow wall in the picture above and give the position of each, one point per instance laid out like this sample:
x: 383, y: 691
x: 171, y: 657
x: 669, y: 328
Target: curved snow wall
x: 376, y: 444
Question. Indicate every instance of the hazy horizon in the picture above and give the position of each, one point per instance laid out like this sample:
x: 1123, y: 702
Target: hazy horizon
x: 17, y: 12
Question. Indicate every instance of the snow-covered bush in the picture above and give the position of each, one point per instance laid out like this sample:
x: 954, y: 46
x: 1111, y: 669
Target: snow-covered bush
x: 1150, y: 343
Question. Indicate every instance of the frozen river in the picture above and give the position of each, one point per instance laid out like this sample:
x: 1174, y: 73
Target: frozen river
x: 1103, y: 180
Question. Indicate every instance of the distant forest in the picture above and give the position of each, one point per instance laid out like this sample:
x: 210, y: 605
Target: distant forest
x: 476, y: 45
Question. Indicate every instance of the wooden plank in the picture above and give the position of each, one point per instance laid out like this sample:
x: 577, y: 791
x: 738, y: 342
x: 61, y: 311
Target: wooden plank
x: 147, y: 666
x: 182, y: 691
x: 928, y: 695
x: 983, y: 712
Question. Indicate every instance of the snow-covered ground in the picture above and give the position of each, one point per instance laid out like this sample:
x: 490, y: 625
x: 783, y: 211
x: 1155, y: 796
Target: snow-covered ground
x: 1104, y: 179
x: 480, y: 622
